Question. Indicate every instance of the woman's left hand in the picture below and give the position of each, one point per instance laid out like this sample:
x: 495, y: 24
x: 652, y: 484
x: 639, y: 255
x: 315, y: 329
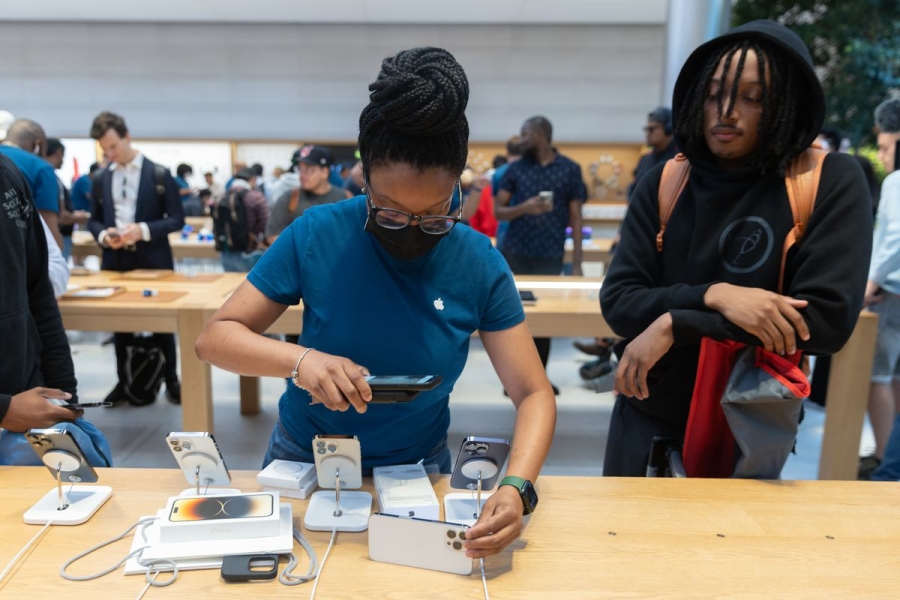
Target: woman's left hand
x: 498, y: 526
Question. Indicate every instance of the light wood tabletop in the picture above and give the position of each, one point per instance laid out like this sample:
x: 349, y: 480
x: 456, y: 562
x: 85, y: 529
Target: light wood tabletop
x: 84, y: 244
x: 664, y: 539
x: 565, y: 307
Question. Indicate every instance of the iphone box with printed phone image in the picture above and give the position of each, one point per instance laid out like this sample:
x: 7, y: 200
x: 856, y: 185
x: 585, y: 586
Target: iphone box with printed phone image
x: 220, y: 517
x: 289, y: 478
x: 406, y: 491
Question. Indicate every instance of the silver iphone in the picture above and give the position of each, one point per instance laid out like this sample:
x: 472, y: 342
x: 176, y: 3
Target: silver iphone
x: 419, y: 543
x: 193, y: 449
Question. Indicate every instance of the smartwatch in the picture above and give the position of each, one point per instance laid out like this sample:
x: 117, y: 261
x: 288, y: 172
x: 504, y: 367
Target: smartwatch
x: 526, y: 492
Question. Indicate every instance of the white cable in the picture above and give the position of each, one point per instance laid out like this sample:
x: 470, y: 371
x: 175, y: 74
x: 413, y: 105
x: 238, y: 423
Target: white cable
x: 147, y: 587
x: 286, y: 577
x: 24, y: 550
x: 483, y: 576
x: 149, y: 565
x: 322, y: 566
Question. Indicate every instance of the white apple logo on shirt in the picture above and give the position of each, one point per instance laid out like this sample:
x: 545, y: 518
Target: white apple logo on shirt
x: 439, y: 304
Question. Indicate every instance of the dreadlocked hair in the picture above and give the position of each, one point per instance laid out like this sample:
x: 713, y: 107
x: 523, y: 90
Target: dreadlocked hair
x: 782, y: 129
x: 416, y: 112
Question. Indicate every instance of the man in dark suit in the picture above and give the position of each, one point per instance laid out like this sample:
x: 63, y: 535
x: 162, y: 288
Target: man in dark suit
x: 135, y: 207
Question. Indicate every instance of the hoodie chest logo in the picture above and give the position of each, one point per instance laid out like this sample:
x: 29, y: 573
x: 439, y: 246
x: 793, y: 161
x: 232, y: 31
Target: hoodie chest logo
x: 746, y: 244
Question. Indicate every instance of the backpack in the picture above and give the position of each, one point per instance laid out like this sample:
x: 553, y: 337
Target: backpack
x: 144, y: 370
x: 230, y: 223
x: 801, y: 180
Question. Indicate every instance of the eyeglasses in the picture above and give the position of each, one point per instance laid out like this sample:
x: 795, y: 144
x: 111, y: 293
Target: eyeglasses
x: 650, y: 128
x: 391, y: 218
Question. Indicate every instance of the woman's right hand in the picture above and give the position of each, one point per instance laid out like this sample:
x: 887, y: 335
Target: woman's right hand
x: 334, y: 381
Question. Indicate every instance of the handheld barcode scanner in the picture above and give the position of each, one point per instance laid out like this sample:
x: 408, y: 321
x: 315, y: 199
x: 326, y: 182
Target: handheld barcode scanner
x: 339, y: 467
x: 59, y: 451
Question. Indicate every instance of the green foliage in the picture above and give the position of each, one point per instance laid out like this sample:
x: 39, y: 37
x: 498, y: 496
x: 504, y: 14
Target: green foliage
x: 871, y: 153
x: 856, y: 50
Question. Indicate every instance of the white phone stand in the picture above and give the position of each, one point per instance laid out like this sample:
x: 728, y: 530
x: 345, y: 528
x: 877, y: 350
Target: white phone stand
x: 464, y: 508
x: 73, y: 507
x: 201, y: 463
x: 343, y: 511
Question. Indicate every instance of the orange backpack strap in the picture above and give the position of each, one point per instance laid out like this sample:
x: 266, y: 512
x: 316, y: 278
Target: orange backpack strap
x: 802, y: 182
x: 674, y: 179
x: 295, y: 199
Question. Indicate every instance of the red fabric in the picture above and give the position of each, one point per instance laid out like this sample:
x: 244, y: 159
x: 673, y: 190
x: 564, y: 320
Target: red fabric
x: 708, y: 442
x: 483, y: 220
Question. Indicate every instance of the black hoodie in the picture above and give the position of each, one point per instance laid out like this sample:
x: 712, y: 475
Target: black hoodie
x: 730, y: 226
x: 36, y: 351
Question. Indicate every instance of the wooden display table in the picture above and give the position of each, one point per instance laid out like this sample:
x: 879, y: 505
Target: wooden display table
x: 592, y: 538
x: 566, y: 307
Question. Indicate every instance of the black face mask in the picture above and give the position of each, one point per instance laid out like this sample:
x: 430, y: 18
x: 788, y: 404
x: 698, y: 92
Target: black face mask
x: 408, y: 243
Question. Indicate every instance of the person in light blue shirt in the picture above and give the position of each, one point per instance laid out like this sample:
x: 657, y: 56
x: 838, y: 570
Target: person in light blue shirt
x: 883, y: 298
x: 390, y: 286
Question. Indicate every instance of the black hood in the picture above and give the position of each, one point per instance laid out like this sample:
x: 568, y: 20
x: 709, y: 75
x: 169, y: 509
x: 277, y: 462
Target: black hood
x: 769, y: 31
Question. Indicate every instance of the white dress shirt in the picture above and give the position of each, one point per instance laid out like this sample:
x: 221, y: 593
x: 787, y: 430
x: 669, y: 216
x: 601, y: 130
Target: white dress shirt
x: 126, y: 182
x: 56, y: 264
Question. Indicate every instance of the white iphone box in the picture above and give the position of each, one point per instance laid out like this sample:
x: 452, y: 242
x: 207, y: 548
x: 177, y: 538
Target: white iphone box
x: 289, y: 478
x: 222, y: 517
x: 406, y: 491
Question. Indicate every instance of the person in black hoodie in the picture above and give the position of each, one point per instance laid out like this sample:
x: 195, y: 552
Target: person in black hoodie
x: 745, y: 105
x: 37, y: 364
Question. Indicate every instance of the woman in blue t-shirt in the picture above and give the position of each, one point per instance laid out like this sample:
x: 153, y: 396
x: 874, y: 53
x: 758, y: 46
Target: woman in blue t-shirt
x: 392, y: 286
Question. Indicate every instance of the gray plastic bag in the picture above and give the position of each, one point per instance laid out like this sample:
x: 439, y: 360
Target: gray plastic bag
x: 762, y: 403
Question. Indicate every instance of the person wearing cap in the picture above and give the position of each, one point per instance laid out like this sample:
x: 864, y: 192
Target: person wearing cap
x: 658, y: 132
x: 256, y: 211
x: 744, y: 106
x: 313, y: 170
x: 883, y: 298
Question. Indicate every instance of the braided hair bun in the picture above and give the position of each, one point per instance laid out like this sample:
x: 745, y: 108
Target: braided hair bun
x: 416, y: 112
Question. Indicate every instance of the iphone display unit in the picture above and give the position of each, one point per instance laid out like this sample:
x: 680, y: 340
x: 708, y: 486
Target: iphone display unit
x: 338, y: 452
x: 419, y: 543
x: 76, y: 405
x: 57, y: 447
x: 479, y: 454
x: 210, y: 508
x: 193, y: 449
x: 388, y: 389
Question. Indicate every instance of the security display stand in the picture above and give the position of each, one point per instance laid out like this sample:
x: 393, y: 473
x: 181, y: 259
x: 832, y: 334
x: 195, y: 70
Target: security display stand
x: 201, y: 464
x: 340, y: 510
x: 73, y: 505
x: 466, y: 508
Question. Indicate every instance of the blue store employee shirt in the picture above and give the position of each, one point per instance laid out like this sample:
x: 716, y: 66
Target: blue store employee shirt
x: 392, y: 316
x: 40, y: 177
x: 81, y: 191
x: 541, y: 236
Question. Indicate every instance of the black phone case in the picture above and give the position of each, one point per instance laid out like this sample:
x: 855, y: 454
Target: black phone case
x: 236, y: 568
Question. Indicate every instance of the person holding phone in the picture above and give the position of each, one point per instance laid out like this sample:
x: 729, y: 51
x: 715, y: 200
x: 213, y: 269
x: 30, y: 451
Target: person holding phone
x: 37, y: 373
x: 391, y: 286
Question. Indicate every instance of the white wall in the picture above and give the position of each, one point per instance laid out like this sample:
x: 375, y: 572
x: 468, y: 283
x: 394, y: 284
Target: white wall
x: 218, y: 81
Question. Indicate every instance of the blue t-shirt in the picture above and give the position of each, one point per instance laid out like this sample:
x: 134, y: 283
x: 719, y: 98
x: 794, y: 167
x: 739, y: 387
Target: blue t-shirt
x: 81, y: 193
x: 182, y: 184
x: 391, y: 316
x: 541, y: 236
x: 40, y: 176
